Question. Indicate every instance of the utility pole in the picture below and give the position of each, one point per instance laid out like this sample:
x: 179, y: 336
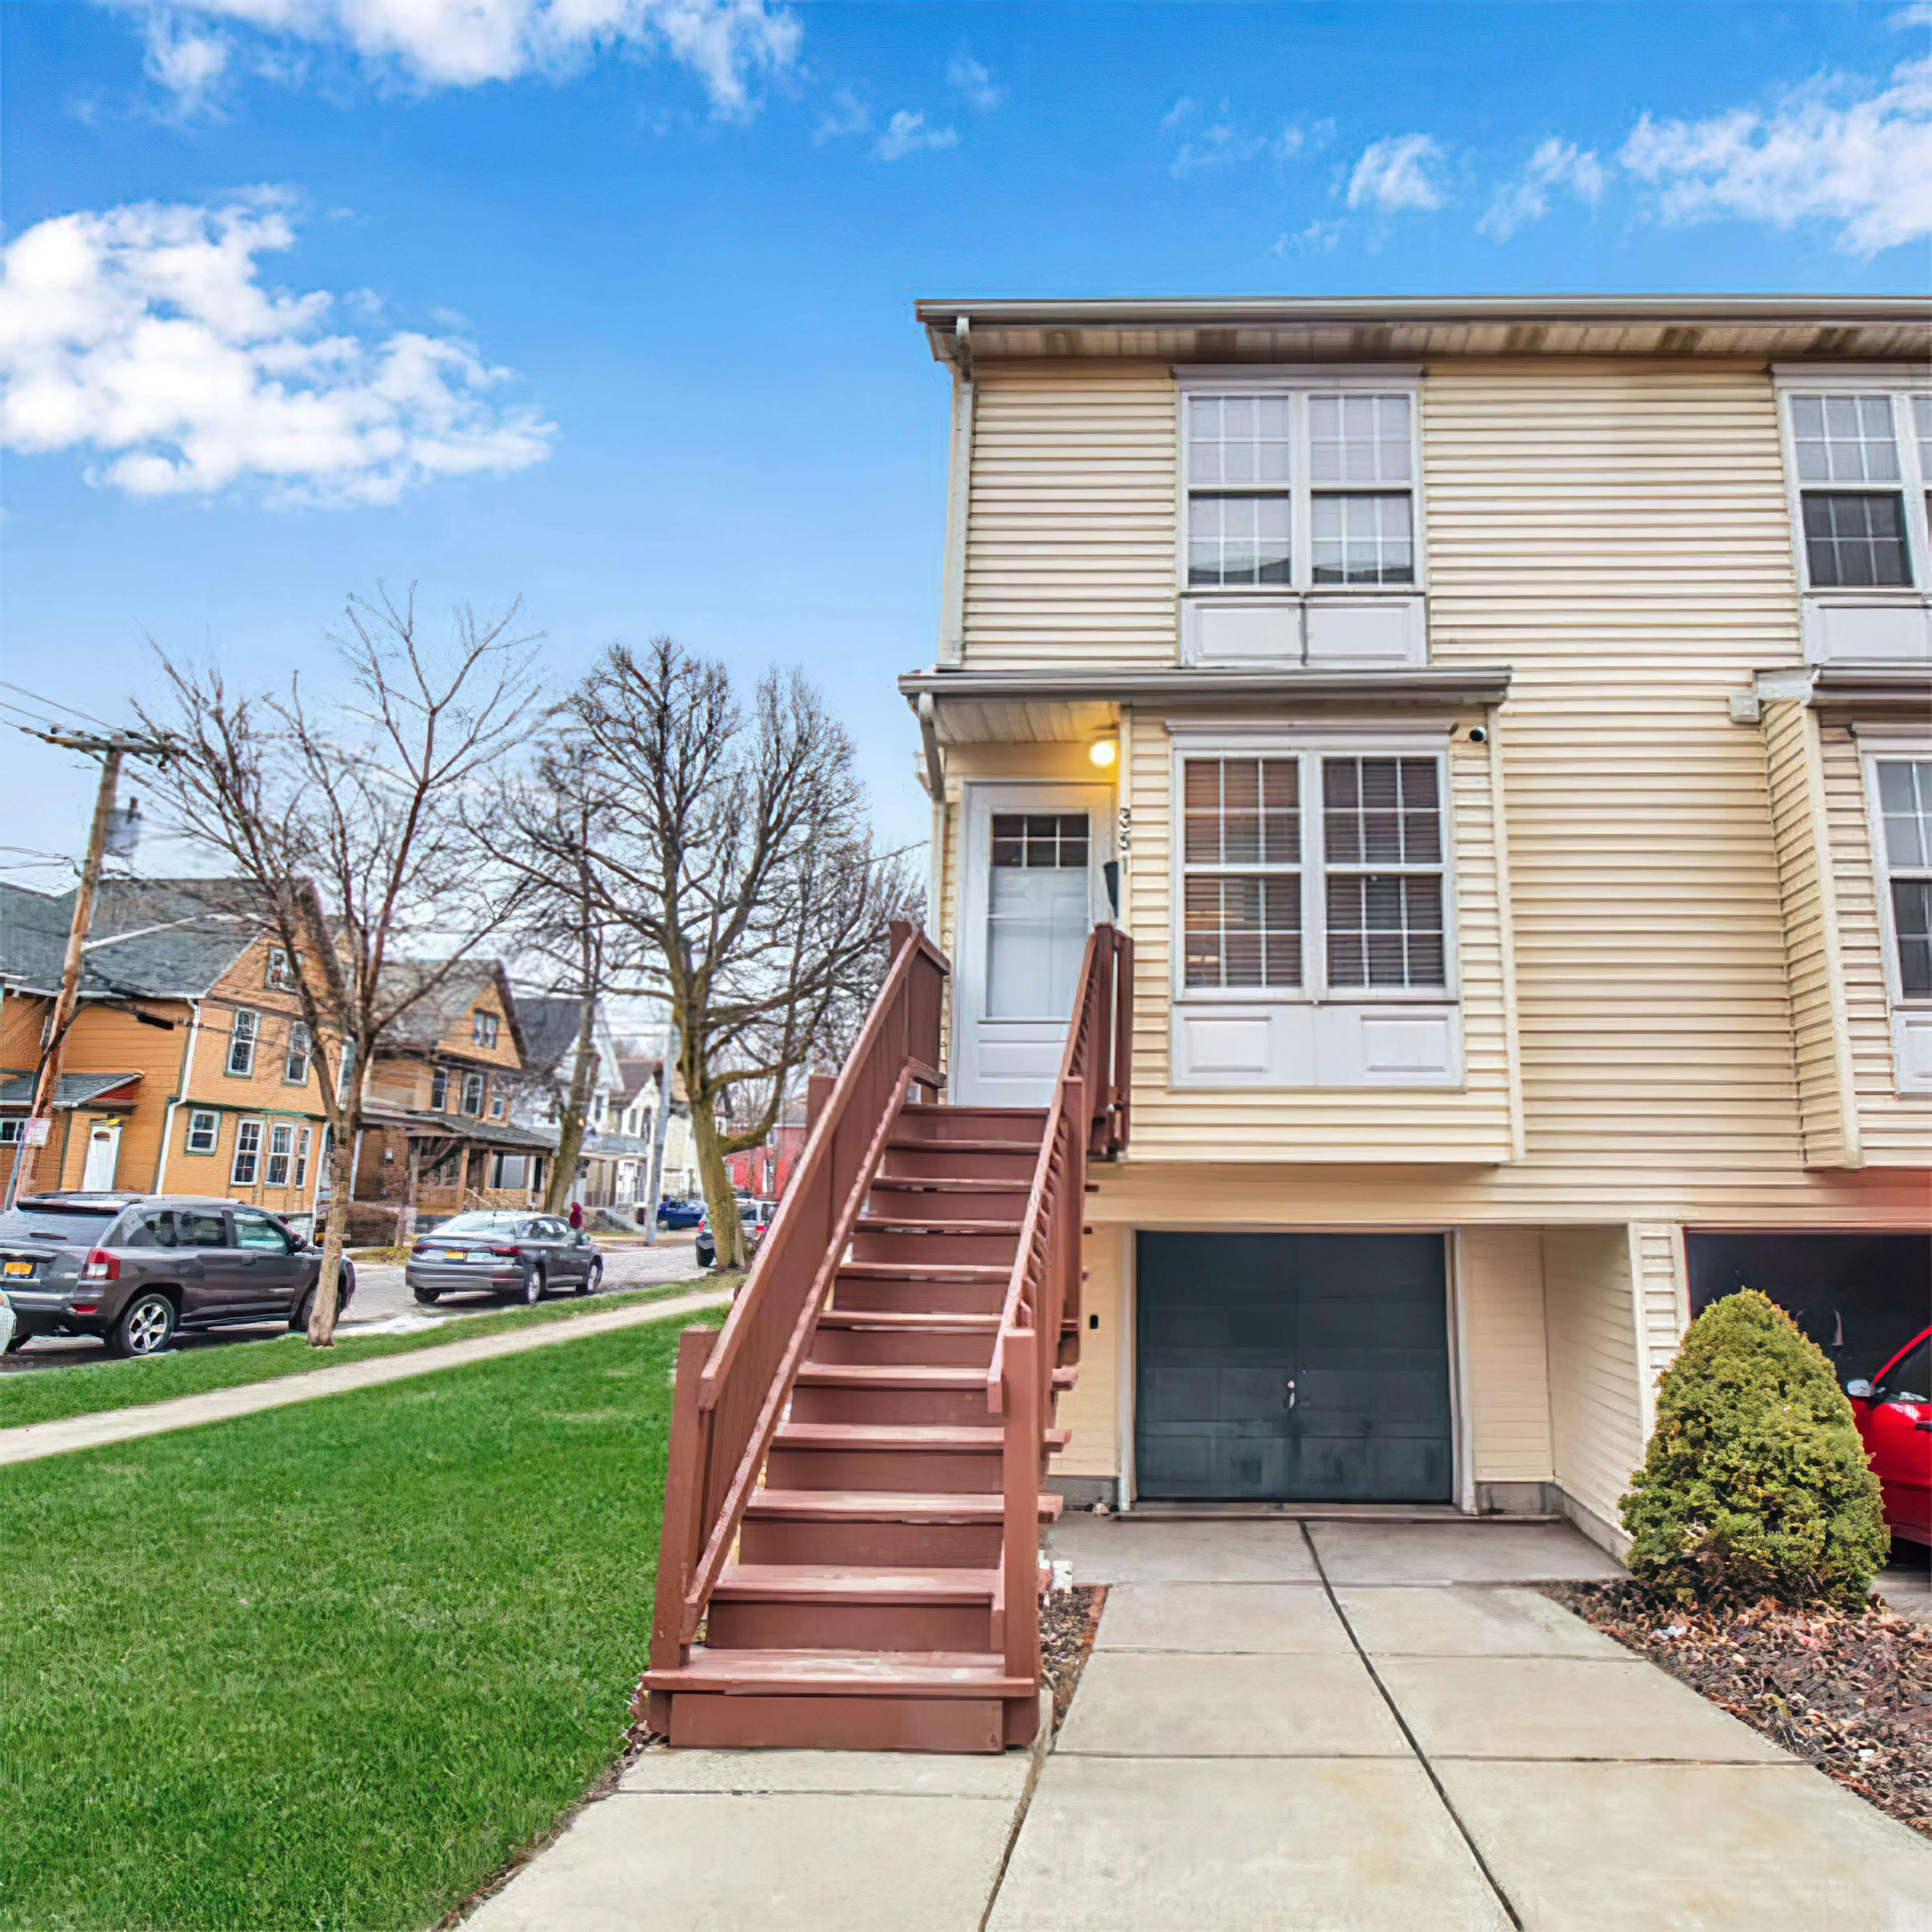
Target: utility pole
x: 110, y: 751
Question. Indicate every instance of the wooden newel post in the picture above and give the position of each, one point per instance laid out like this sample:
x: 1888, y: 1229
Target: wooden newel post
x: 1019, y: 1477
x: 678, y: 1545
x: 817, y: 1090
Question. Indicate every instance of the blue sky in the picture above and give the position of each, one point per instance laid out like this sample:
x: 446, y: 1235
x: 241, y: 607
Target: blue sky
x: 609, y: 305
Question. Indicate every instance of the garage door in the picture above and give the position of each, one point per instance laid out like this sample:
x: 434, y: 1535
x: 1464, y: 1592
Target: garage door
x: 1295, y: 1368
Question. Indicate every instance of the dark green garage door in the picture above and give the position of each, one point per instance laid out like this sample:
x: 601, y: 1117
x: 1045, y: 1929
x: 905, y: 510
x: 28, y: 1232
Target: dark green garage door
x: 1296, y: 1368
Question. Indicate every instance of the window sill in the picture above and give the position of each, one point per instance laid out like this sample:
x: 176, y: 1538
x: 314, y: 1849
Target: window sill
x: 1263, y: 625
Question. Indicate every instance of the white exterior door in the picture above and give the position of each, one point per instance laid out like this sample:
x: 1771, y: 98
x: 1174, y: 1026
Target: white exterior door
x: 103, y: 1151
x: 1032, y: 886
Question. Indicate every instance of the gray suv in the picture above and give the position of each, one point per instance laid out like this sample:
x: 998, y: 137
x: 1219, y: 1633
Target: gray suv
x: 135, y: 1269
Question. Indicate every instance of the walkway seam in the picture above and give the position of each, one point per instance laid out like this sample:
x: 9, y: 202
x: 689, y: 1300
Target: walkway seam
x: 1421, y: 1756
x: 35, y: 1441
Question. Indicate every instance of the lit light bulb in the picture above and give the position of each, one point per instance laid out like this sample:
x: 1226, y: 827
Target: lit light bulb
x: 1103, y: 751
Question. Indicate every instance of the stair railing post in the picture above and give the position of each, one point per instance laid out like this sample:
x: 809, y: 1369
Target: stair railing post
x: 681, y: 1531
x: 1073, y: 1206
x: 1019, y: 1473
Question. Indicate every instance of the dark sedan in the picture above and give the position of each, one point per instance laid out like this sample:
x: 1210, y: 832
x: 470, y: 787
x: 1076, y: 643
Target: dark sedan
x: 136, y: 1269
x: 517, y: 1257
x: 679, y: 1213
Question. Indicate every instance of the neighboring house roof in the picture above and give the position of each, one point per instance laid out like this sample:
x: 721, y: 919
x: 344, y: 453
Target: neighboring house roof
x: 635, y: 1071
x: 550, y: 1030
x: 71, y: 1090
x: 149, y: 938
x: 424, y: 1022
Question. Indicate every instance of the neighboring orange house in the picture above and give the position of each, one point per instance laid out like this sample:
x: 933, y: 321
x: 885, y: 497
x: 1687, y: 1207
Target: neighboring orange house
x: 187, y: 1069
x: 445, y: 1084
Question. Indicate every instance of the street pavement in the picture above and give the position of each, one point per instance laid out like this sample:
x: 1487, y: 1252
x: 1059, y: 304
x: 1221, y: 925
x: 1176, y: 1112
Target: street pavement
x: 382, y: 1296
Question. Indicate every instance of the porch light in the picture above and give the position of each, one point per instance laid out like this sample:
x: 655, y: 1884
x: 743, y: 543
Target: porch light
x: 1103, y: 751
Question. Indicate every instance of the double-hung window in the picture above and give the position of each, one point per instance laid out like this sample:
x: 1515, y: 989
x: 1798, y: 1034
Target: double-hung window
x: 244, y: 1025
x: 483, y: 1028
x: 295, y: 1062
x: 281, y: 1148
x: 439, y: 1088
x: 305, y: 1140
x: 247, y: 1153
x: 1313, y: 873
x: 1904, y: 788
x: 1858, y: 467
x: 1295, y: 490
x: 204, y: 1125
x: 472, y: 1093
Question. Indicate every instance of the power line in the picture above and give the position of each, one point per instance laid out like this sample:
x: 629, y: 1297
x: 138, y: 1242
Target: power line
x: 56, y: 704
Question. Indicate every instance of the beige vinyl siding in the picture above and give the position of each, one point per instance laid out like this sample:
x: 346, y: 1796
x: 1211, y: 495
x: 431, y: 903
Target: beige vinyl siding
x: 1596, y: 1417
x: 1070, y: 519
x: 1091, y: 1408
x: 1499, y: 1281
x: 1826, y: 1108
x: 1261, y: 1124
x: 1663, y: 1306
x: 1895, y: 1130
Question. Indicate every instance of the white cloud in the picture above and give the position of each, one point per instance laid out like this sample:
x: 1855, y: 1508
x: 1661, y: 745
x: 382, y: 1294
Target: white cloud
x: 187, y: 62
x: 1919, y: 14
x: 966, y: 74
x: 144, y: 337
x: 1225, y: 141
x: 1396, y: 174
x: 1555, y: 165
x: 1184, y: 109
x: 1316, y: 238
x: 1865, y: 164
x: 906, y: 133
x: 730, y: 44
x: 847, y: 114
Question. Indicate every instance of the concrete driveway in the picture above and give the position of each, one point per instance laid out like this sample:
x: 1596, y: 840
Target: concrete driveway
x: 1365, y: 1726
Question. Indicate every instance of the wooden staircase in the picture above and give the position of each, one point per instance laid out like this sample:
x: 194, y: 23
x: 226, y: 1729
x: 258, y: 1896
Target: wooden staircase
x: 861, y: 1546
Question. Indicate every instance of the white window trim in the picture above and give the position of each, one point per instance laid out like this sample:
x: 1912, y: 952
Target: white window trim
x: 285, y: 1156
x: 463, y: 1105
x: 235, y: 1038
x: 1901, y: 383
x: 236, y: 1178
x: 1310, y: 745
x: 1298, y: 384
x: 213, y: 1120
x: 1874, y: 751
x: 297, y: 1033
x: 304, y: 1142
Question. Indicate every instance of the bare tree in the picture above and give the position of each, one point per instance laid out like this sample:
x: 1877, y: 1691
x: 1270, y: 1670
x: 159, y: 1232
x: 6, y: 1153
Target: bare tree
x: 548, y: 822
x: 734, y: 862
x: 347, y: 817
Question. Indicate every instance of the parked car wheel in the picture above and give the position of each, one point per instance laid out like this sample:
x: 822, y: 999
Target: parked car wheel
x: 17, y: 1341
x: 428, y: 1297
x: 145, y: 1328
x: 536, y: 1286
x: 593, y: 1280
x: 299, y: 1316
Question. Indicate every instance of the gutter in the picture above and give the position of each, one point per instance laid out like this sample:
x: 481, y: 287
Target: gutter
x: 934, y: 777
x: 175, y: 1098
x: 1476, y: 685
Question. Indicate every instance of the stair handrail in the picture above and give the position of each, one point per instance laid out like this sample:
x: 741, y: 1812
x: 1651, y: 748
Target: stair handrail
x: 732, y: 1390
x: 1088, y: 1115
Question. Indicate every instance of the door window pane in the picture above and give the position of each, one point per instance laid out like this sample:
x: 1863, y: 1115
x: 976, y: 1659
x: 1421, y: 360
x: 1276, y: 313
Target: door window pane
x: 1364, y: 540
x: 1851, y: 540
x: 252, y: 1230
x: 1237, y: 540
x: 1844, y: 439
x: 1035, y: 934
x: 1358, y: 439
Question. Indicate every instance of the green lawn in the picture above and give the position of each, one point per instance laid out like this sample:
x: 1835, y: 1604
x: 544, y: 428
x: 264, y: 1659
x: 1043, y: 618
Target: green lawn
x: 330, y: 1665
x: 47, y: 1395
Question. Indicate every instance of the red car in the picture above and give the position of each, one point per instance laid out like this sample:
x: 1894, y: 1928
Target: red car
x: 1894, y: 1417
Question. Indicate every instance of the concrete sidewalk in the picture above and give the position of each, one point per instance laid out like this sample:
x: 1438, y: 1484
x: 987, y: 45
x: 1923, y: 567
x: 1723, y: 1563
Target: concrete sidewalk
x: 38, y: 1439
x: 1359, y: 1726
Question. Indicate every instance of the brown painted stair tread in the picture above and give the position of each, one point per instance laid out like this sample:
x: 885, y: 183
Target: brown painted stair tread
x: 1030, y: 1147
x: 935, y: 1184
x: 916, y: 1224
x: 850, y: 1673
x: 908, y: 1436
x: 903, y: 1271
x: 853, y: 1583
x: 889, y: 1375
x: 886, y: 1506
x: 915, y: 1320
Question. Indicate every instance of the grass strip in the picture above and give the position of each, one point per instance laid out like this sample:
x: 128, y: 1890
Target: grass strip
x: 52, y: 1395
x: 328, y: 1666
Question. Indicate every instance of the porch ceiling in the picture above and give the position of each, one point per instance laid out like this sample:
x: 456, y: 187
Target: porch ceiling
x: 1071, y: 707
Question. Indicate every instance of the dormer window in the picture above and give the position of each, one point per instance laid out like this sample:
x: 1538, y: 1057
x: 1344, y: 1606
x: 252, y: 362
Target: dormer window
x: 483, y: 1027
x: 279, y: 975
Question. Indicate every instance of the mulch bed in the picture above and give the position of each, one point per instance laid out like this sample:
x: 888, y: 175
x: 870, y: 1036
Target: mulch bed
x: 1850, y: 1695
x: 1068, y: 1619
